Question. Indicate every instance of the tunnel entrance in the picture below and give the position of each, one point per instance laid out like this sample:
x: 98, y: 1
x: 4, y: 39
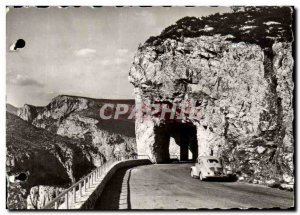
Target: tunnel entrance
x: 175, y: 141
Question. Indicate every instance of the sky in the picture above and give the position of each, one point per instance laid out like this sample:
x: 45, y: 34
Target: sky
x: 80, y: 51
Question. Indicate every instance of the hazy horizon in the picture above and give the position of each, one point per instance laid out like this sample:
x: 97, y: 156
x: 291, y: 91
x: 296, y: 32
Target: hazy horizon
x: 81, y: 51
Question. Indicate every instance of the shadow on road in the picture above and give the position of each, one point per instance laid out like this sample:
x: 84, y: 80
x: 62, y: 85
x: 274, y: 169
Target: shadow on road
x: 230, y: 178
x: 116, y: 194
x: 176, y: 161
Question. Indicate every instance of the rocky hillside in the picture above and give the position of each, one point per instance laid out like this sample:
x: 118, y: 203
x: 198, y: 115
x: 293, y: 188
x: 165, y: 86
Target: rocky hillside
x: 57, y: 144
x: 238, y: 68
x: 45, y: 158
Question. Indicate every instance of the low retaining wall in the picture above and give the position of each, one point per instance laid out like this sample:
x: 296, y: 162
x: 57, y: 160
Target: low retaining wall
x: 90, y: 202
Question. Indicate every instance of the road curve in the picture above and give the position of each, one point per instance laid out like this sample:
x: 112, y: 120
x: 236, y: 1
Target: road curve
x: 169, y: 186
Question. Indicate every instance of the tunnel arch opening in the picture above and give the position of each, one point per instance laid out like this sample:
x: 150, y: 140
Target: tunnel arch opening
x: 175, y: 140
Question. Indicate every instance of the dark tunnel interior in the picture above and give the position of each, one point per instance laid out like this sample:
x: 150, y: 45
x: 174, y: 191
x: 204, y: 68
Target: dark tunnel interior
x: 185, y: 136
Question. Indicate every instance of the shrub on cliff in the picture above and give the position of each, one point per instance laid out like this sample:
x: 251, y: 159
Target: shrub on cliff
x: 260, y: 25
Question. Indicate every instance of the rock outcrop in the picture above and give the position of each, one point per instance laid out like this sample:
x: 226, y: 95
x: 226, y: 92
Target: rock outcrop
x: 28, y: 112
x: 40, y: 195
x: 78, y: 118
x: 238, y: 72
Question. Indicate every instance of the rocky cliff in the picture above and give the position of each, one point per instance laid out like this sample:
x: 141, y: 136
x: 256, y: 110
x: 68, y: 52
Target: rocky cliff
x: 44, y: 159
x: 238, y: 69
x: 78, y: 118
x: 58, y: 144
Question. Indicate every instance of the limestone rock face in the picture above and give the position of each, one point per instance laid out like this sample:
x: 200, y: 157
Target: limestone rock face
x: 243, y: 92
x: 78, y: 118
x: 41, y: 195
x: 86, y: 129
x: 27, y: 113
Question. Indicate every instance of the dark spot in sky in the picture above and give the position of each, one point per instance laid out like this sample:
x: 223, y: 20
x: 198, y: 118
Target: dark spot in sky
x: 19, y: 44
x: 22, y: 177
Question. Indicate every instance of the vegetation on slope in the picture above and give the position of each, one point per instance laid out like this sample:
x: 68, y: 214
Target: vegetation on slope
x: 260, y: 25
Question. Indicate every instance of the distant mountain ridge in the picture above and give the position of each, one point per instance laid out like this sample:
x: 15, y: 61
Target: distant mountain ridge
x: 63, y: 105
x: 78, y: 118
x: 11, y: 109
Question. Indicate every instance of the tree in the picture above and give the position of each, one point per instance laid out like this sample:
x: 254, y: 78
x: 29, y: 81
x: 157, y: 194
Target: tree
x: 236, y: 8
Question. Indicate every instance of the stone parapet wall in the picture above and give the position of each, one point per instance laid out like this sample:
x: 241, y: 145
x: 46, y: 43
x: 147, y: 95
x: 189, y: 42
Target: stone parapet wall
x: 95, y: 195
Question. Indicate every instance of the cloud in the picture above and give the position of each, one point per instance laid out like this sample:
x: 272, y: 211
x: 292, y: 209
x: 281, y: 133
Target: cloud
x: 120, y: 61
x: 120, y: 57
x: 23, y: 81
x: 122, y: 52
x: 85, y: 52
x: 106, y: 62
x: 113, y: 61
